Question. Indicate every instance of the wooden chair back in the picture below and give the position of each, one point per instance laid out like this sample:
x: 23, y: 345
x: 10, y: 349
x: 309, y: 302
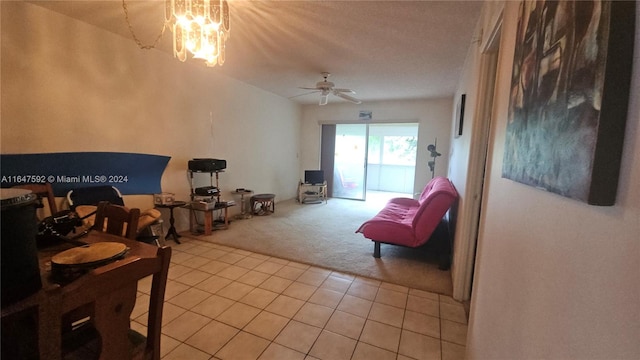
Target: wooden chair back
x: 156, y: 304
x: 43, y: 191
x: 117, y: 220
x: 110, y: 293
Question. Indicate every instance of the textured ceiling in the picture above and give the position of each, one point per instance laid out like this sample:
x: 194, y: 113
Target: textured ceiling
x: 384, y: 50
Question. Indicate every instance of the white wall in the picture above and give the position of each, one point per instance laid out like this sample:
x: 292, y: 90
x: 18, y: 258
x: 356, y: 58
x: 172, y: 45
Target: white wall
x: 556, y: 278
x: 433, y: 116
x: 68, y: 86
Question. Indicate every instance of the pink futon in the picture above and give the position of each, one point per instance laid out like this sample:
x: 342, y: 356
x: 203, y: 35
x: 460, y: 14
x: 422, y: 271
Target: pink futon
x: 408, y: 222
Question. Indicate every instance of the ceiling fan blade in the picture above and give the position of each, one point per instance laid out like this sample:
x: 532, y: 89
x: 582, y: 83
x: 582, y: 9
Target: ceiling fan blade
x: 347, y: 97
x: 324, y: 98
x: 303, y: 94
x: 308, y: 88
x: 345, y: 90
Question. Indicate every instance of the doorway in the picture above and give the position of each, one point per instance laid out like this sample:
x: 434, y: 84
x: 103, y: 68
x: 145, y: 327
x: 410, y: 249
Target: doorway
x: 378, y: 157
x: 470, y: 213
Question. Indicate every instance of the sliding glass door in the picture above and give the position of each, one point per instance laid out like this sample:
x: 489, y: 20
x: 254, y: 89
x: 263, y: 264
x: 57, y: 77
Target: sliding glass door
x: 376, y: 157
x: 350, y: 161
x: 391, y: 164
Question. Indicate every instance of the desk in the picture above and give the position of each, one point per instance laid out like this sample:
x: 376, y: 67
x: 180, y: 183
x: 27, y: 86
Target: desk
x: 103, y: 285
x: 172, y: 229
x: 208, y: 217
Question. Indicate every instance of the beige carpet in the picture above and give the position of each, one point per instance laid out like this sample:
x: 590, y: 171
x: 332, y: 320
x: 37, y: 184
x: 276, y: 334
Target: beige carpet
x: 324, y: 235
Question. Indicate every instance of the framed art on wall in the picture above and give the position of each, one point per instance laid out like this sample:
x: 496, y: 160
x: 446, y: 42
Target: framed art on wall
x: 569, y: 94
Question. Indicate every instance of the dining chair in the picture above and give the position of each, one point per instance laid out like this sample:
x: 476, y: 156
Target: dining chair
x: 110, y: 292
x: 42, y: 191
x: 117, y: 220
x: 84, y: 201
x: 112, y: 219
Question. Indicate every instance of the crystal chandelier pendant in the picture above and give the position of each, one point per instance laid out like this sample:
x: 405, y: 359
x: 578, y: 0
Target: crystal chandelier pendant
x: 200, y: 27
x: 179, y: 49
x: 221, y: 56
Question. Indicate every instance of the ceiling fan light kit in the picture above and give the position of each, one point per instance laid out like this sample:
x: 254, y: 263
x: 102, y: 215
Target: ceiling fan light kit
x: 326, y: 88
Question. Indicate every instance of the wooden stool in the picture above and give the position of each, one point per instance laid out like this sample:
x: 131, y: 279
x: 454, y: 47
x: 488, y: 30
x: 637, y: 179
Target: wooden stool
x: 263, y: 204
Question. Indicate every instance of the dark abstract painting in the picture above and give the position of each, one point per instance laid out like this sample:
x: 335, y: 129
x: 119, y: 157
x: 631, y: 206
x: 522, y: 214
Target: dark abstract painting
x: 569, y: 97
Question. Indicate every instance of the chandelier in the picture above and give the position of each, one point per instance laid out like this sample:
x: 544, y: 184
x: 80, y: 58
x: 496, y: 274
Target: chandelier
x: 200, y: 27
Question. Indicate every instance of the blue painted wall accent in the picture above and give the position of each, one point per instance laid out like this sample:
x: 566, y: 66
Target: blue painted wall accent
x: 131, y: 173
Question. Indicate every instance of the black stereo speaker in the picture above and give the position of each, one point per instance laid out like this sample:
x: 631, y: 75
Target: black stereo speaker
x: 20, y: 270
x: 207, y: 165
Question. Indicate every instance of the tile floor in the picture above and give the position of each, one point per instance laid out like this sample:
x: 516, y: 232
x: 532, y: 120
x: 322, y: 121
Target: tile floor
x: 225, y: 303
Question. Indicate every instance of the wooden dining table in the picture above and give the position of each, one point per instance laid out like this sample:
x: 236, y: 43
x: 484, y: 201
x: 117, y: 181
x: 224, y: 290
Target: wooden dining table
x: 59, y: 297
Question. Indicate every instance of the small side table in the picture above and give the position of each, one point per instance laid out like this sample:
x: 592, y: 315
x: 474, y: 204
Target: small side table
x: 208, y: 218
x: 243, y: 213
x: 172, y: 229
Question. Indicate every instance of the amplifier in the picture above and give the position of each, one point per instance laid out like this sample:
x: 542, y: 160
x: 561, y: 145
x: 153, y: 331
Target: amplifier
x: 206, y: 191
x: 207, y: 165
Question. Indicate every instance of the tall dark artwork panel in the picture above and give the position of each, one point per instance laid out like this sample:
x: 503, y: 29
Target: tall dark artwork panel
x: 569, y: 97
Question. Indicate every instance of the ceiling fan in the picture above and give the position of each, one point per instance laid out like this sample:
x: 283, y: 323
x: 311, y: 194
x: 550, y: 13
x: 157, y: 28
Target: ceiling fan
x: 325, y: 88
